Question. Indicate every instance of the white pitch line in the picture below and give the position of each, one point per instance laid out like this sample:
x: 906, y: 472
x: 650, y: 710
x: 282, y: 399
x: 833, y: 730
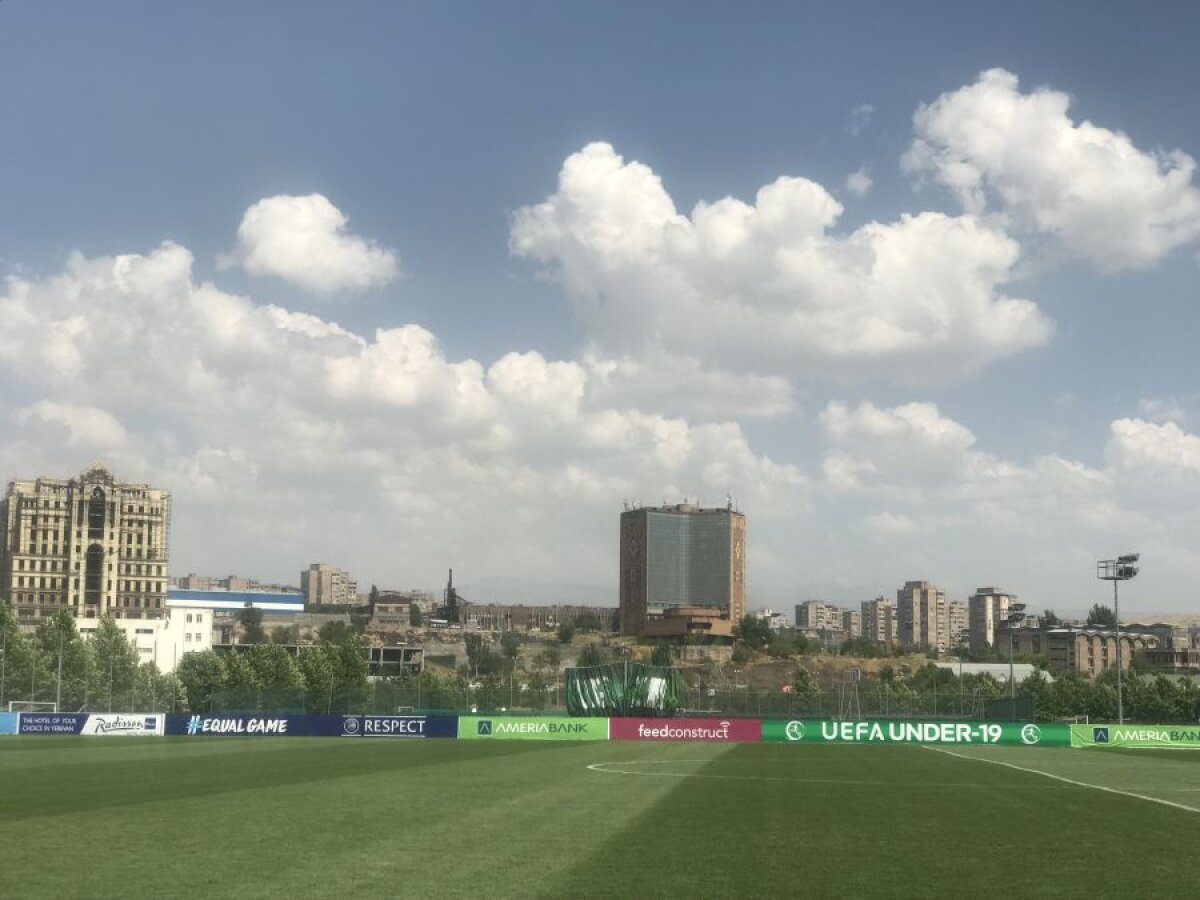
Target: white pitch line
x: 1083, y: 784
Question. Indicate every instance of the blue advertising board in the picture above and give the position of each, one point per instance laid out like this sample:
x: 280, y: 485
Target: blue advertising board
x: 400, y: 726
x: 9, y: 723
x: 258, y: 725
x: 285, y: 725
x: 53, y: 723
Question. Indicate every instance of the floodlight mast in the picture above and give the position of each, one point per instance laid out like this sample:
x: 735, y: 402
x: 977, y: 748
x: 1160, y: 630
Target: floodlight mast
x: 1115, y: 570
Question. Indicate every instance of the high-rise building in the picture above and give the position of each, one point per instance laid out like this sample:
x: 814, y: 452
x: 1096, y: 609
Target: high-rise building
x: 816, y: 615
x: 683, y: 556
x: 852, y: 623
x: 921, y: 610
x: 325, y: 585
x: 956, y: 625
x: 879, y: 620
x: 91, y: 544
x: 987, y: 608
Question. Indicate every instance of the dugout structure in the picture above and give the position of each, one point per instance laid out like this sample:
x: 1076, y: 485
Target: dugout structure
x: 624, y: 689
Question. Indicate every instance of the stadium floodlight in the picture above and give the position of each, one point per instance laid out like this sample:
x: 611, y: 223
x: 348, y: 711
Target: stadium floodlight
x: 1116, y: 570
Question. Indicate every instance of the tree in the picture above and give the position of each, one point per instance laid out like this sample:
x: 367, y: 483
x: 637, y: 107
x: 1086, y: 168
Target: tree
x: 1050, y: 620
x: 156, y: 692
x: 285, y: 634
x: 474, y: 646
x: 566, y: 631
x: 335, y: 633
x: 250, y: 619
x: 860, y: 647
x: 317, y: 666
x: 279, y: 677
x: 550, y: 659
x: 754, y: 631
x: 536, y: 691
x: 202, y: 676
x: 349, y: 666
x: 58, y: 636
x: 414, y: 615
x: 661, y: 655
x: 242, y: 686
x: 1102, y: 616
x: 588, y: 621
x: 18, y: 660
x: 373, y: 597
x: 589, y: 656
x: 780, y: 647
x: 804, y: 686
x: 510, y: 648
x: 114, y: 668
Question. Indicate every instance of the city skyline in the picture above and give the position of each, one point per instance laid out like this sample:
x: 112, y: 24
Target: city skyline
x: 388, y: 295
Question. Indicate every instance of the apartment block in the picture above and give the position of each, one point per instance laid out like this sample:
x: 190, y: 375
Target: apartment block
x: 986, y: 609
x: 921, y: 610
x: 322, y: 584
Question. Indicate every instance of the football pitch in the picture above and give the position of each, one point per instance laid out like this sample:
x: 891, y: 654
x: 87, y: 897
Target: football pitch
x: 246, y: 817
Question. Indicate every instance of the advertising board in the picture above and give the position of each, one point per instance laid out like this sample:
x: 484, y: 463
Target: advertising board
x: 1141, y: 736
x: 833, y: 731
x: 400, y: 726
x: 124, y: 724
x: 532, y: 728
x: 719, y: 730
x: 9, y: 722
x: 92, y: 724
x: 257, y: 725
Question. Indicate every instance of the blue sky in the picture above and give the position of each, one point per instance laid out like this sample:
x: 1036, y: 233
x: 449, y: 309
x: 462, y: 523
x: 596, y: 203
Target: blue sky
x: 554, y: 350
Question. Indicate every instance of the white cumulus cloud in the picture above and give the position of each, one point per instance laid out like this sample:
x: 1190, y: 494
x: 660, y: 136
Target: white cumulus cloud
x: 1087, y: 186
x: 859, y: 181
x: 768, y: 287
x: 285, y: 438
x: 304, y: 241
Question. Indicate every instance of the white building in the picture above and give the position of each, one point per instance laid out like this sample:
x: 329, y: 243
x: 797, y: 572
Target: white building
x: 162, y: 641
x: 775, y: 620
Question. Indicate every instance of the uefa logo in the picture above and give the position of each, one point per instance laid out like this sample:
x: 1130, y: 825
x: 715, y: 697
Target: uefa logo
x: 1031, y: 734
x: 350, y: 725
x: 794, y: 731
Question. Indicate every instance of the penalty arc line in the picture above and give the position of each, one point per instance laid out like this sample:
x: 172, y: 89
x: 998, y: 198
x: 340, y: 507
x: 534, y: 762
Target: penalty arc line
x: 1063, y: 778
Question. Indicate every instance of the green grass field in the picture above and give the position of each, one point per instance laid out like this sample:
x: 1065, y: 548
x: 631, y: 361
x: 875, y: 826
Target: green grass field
x: 174, y: 817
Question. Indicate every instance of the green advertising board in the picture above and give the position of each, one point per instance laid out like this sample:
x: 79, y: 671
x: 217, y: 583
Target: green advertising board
x: 531, y: 728
x: 1143, y: 736
x: 910, y: 731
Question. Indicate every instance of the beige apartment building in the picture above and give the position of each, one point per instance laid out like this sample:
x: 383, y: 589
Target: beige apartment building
x: 879, y: 620
x: 325, y: 585
x: 816, y: 615
x: 91, y: 544
x: 987, y: 608
x: 922, y: 615
x: 956, y: 624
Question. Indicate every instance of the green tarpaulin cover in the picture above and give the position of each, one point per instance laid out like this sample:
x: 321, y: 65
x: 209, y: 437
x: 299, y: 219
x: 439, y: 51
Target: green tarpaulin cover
x: 624, y: 689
